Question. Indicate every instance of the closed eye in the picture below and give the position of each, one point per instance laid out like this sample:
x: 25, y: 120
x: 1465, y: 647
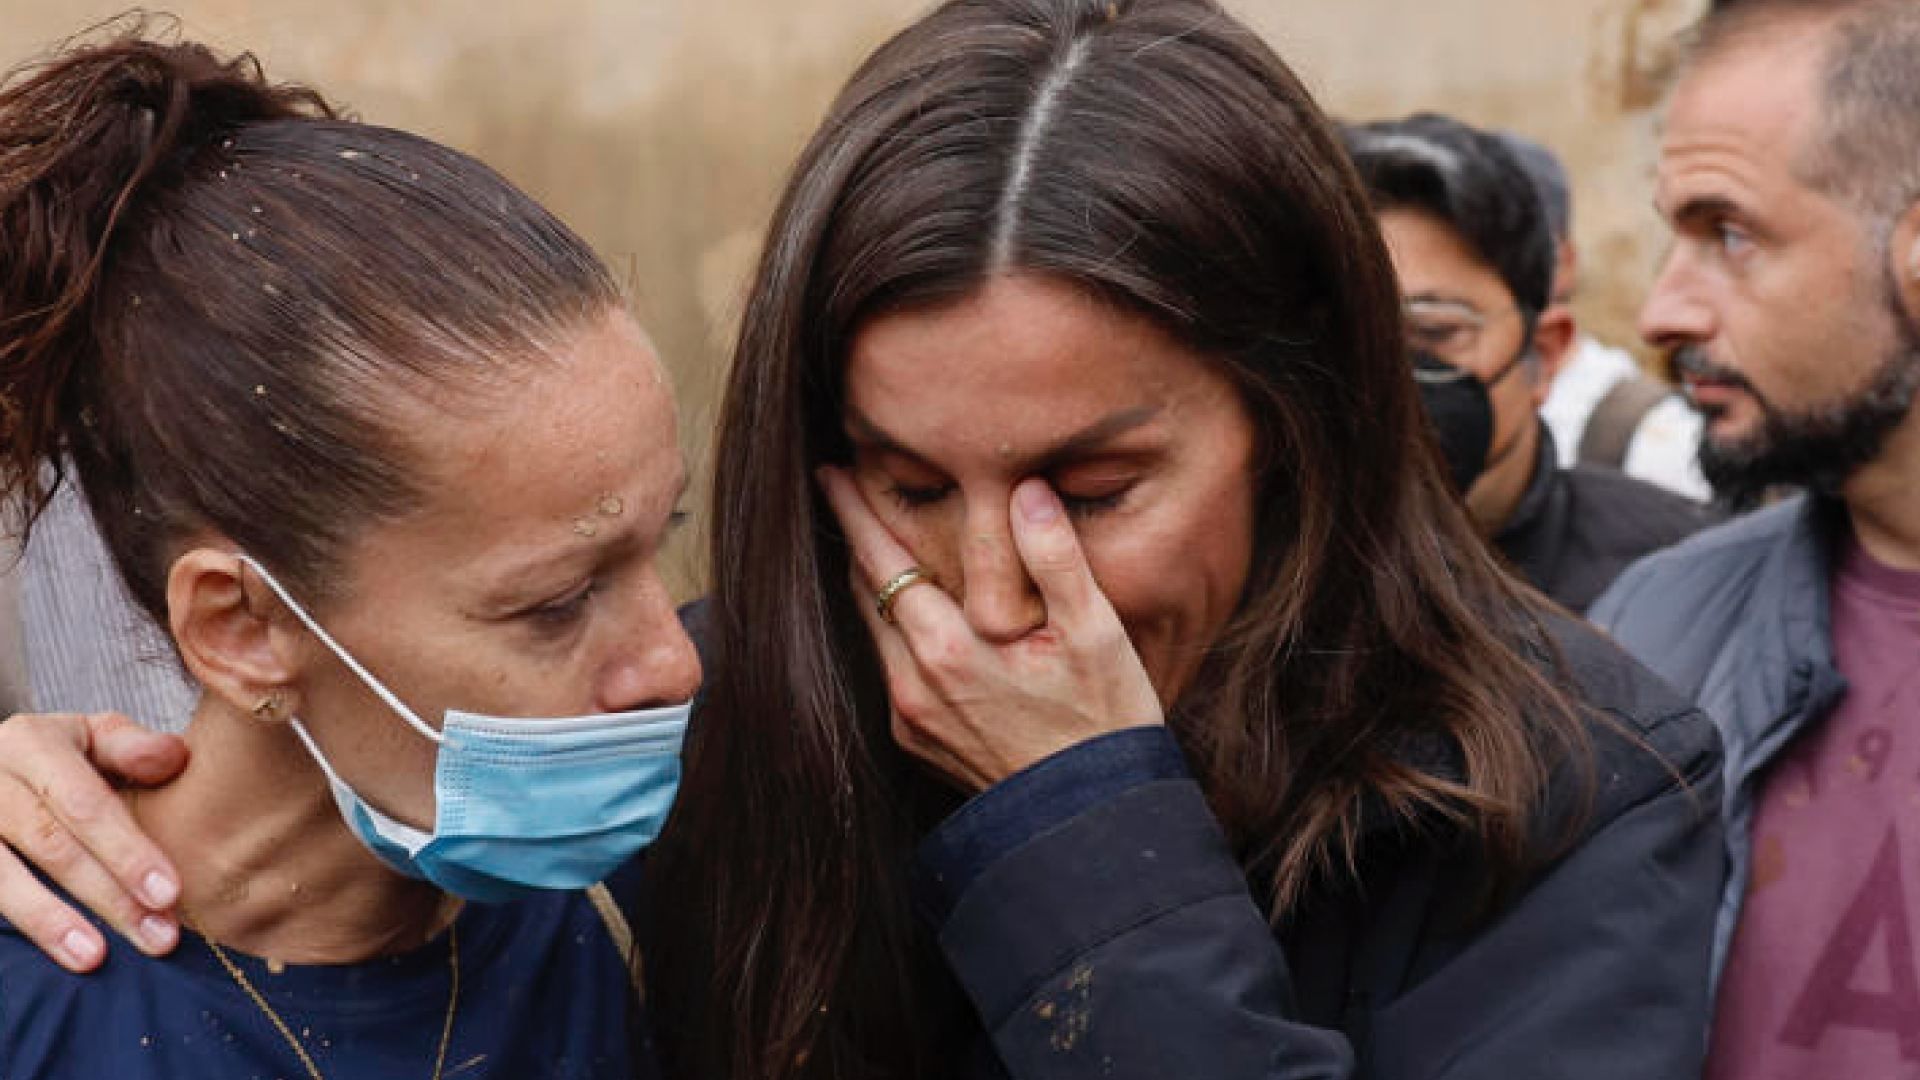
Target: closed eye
x: 1089, y: 507
x: 555, y: 617
x: 1089, y: 500
x: 910, y: 498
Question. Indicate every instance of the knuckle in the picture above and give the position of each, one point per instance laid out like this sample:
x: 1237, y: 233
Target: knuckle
x: 946, y: 655
x: 1108, y: 637
x: 17, y: 806
x: 911, y: 735
x: 909, y: 699
x: 917, y: 732
x: 902, y: 731
x: 49, y: 842
x: 26, y: 734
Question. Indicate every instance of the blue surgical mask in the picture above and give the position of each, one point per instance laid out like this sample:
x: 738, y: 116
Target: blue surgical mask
x: 520, y: 805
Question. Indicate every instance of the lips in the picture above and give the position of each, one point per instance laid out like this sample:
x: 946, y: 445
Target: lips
x: 1706, y: 383
x: 1706, y: 394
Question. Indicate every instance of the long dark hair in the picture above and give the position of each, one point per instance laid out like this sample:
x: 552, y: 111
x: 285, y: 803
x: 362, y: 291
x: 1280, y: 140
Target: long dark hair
x: 1157, y: 155
x: 213, y: 288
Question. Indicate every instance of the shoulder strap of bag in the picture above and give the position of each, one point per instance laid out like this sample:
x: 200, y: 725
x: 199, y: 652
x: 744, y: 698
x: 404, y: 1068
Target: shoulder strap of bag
x: 622, y: 935
x: 1610, y: 429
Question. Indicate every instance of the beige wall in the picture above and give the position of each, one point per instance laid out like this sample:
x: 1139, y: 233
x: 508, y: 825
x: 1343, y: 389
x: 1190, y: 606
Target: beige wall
x: 662, y: 128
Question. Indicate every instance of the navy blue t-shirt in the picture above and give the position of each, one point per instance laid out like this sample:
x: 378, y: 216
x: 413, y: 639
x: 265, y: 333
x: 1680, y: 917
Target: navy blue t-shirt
x: 543, y: 994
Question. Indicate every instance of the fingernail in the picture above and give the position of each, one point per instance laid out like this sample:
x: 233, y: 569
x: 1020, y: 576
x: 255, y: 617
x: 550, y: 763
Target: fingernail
x: 158, y: 890
x: 1036, y: 503
x: 157, y: 932
x: 79, y: 949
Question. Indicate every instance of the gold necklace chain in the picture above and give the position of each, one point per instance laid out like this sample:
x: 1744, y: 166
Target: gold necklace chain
x: 300, y: 1051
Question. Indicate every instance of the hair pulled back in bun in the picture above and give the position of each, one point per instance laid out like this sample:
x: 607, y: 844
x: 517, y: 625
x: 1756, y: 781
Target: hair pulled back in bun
x: 214, y: 287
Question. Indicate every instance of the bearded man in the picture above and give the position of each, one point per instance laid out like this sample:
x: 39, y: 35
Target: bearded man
x: 1790, y: 175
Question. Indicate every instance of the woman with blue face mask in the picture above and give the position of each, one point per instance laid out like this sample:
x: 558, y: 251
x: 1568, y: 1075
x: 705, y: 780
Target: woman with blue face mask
x: 373, y: 437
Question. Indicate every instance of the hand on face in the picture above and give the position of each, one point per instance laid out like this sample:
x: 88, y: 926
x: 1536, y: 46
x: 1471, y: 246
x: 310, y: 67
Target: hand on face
x: 979, y: 712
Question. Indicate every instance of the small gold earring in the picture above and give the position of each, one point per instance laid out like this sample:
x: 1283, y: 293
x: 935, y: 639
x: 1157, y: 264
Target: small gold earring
x: 270, y: 706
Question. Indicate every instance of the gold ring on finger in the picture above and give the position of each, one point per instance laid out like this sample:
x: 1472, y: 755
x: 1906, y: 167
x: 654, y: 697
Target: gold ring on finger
x: 897, y: 584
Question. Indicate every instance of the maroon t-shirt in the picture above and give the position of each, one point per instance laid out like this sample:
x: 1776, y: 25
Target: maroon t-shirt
x: 1823, y: 979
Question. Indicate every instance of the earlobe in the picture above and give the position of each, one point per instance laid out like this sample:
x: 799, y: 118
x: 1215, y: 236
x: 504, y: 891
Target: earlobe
x: 272, y: 707
x: 1552, y: 341
x: 1904, y: 252
x: 228, y: 638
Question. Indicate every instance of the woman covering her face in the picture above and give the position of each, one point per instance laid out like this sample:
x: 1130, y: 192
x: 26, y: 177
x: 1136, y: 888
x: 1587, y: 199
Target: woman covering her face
x: 372, y: 435
x: 1106, y: 682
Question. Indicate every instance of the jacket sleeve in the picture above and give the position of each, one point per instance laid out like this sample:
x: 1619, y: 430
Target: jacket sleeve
x: 1117, y: 938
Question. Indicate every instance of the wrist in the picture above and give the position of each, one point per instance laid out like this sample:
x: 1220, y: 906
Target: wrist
x: 1035, y: 800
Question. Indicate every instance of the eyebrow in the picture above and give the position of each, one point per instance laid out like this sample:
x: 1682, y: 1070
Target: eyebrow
x: 1080, y: 442
x: 1698, y: 209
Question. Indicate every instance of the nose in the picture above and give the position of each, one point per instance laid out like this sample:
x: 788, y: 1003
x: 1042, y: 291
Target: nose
x: 1000, y: 600
x: 653, y: 662
x: 1674, y: 313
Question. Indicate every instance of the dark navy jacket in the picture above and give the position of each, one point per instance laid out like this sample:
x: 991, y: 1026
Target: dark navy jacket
x: 1092, y: 910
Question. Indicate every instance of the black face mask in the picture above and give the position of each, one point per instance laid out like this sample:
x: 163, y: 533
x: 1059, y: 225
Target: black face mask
x: 1462, y: 415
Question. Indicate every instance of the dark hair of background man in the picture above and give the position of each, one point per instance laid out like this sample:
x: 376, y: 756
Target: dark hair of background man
x: 1472, y: 183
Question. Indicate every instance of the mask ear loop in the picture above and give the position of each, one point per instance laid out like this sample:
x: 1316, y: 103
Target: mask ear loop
x: 1524, y: 353
x: 1521, y: 357
x: 379, y: 688
x: 1496, y: 456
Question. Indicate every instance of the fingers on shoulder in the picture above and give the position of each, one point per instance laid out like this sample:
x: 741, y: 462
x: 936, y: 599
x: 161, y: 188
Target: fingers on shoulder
x: 26, y: 735
x: 51, y: 925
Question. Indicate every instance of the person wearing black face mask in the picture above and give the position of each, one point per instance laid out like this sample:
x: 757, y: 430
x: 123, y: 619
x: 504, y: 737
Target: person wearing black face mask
x: 1461, y: 412
x: 1474, y: 253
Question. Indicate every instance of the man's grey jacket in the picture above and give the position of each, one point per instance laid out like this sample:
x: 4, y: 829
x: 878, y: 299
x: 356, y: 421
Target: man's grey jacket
x: 1737, y: 619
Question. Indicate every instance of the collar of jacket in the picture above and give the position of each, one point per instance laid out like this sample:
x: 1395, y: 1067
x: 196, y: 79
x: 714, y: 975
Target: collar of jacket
x: 1781, y: 674
x: 1535, y: 501
x: 1527, y: 540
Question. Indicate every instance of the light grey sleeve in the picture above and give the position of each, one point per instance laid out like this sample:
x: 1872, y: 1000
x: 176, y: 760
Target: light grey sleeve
x: 88, y: 646
x: 16, y: 693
